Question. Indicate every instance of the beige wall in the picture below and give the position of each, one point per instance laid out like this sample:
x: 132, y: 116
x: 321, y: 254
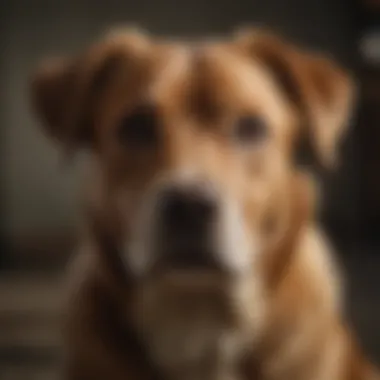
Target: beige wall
x: 39, y: 195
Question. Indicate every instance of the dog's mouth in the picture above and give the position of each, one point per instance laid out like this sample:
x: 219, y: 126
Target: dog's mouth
x: 186, y: 255
x: 187, y: 259
x: 189, y: 270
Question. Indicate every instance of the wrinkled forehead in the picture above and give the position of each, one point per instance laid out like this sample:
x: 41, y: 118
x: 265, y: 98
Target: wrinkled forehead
x: 214, y: 80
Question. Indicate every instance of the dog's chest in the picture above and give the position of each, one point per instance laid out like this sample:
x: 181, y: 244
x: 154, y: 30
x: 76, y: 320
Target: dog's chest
x: 192, y: 338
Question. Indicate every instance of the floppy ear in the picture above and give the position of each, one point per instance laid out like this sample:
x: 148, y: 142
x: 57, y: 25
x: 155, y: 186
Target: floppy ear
x: 321, y: 91
x: 64, y: 91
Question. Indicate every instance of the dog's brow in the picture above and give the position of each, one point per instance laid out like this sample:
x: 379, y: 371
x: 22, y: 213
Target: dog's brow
x: 202, y: 99
x: 171, y: 74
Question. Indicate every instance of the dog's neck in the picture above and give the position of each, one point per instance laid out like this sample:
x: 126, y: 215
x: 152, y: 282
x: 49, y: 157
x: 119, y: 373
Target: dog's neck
x: 199, y: 335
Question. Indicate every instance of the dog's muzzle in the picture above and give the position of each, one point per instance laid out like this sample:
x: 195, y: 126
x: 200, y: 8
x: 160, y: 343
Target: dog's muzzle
x: 187, y: 215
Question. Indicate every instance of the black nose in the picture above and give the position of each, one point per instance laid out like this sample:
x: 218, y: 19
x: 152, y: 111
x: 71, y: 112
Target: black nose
x: 188, y: 209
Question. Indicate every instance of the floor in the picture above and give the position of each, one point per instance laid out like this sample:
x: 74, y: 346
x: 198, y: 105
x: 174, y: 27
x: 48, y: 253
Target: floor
x: 29, y: 326
x: 30, y: 314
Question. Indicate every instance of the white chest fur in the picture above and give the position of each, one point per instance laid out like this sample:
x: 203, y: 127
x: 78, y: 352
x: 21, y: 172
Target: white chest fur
x: 195, y: 335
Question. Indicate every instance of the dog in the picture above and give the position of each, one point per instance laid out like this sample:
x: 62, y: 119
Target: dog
x: 201, y: 257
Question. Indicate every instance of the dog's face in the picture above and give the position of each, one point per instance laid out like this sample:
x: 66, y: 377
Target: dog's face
x: 194, y: 143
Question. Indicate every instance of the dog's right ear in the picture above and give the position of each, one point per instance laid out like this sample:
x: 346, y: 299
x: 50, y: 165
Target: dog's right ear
x: 64, y: 91
x: 322, y: 91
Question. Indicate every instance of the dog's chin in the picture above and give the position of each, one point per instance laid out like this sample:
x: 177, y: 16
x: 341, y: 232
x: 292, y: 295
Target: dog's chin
x: 189, y: 277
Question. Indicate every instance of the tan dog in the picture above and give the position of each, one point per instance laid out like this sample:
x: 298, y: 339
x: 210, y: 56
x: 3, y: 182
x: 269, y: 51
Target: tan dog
x: 202, y: 260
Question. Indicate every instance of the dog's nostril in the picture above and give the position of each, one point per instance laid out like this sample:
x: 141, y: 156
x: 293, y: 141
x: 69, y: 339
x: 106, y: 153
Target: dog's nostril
x: 187, y: 208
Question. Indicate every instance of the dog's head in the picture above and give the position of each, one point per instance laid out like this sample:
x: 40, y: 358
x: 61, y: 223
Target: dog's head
x: 195, y: 144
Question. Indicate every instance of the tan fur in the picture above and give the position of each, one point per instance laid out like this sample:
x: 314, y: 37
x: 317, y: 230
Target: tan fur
x: 281, y: 317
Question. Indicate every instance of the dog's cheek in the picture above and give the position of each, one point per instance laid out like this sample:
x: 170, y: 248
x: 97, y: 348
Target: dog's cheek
x: 265, y: 193
x: 238, y: 233
x: 135, y: 218
x: 235, y: 243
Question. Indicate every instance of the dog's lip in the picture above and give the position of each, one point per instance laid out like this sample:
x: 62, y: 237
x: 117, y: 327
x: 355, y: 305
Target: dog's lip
x: 175, y: 262
x: 181, y: 263
x: 187, y: 254
x: 190, y: 279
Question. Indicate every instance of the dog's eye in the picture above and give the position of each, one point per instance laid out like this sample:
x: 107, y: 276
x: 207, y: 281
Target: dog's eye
x: 139, y: 129
x: 251, y: 129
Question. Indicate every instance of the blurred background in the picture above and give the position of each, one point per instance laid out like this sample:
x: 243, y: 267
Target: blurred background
x: 39, y: 197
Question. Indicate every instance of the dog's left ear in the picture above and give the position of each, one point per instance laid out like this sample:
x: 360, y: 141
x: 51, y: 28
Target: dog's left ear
x: 321, y: 91
x: 64, y: 92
